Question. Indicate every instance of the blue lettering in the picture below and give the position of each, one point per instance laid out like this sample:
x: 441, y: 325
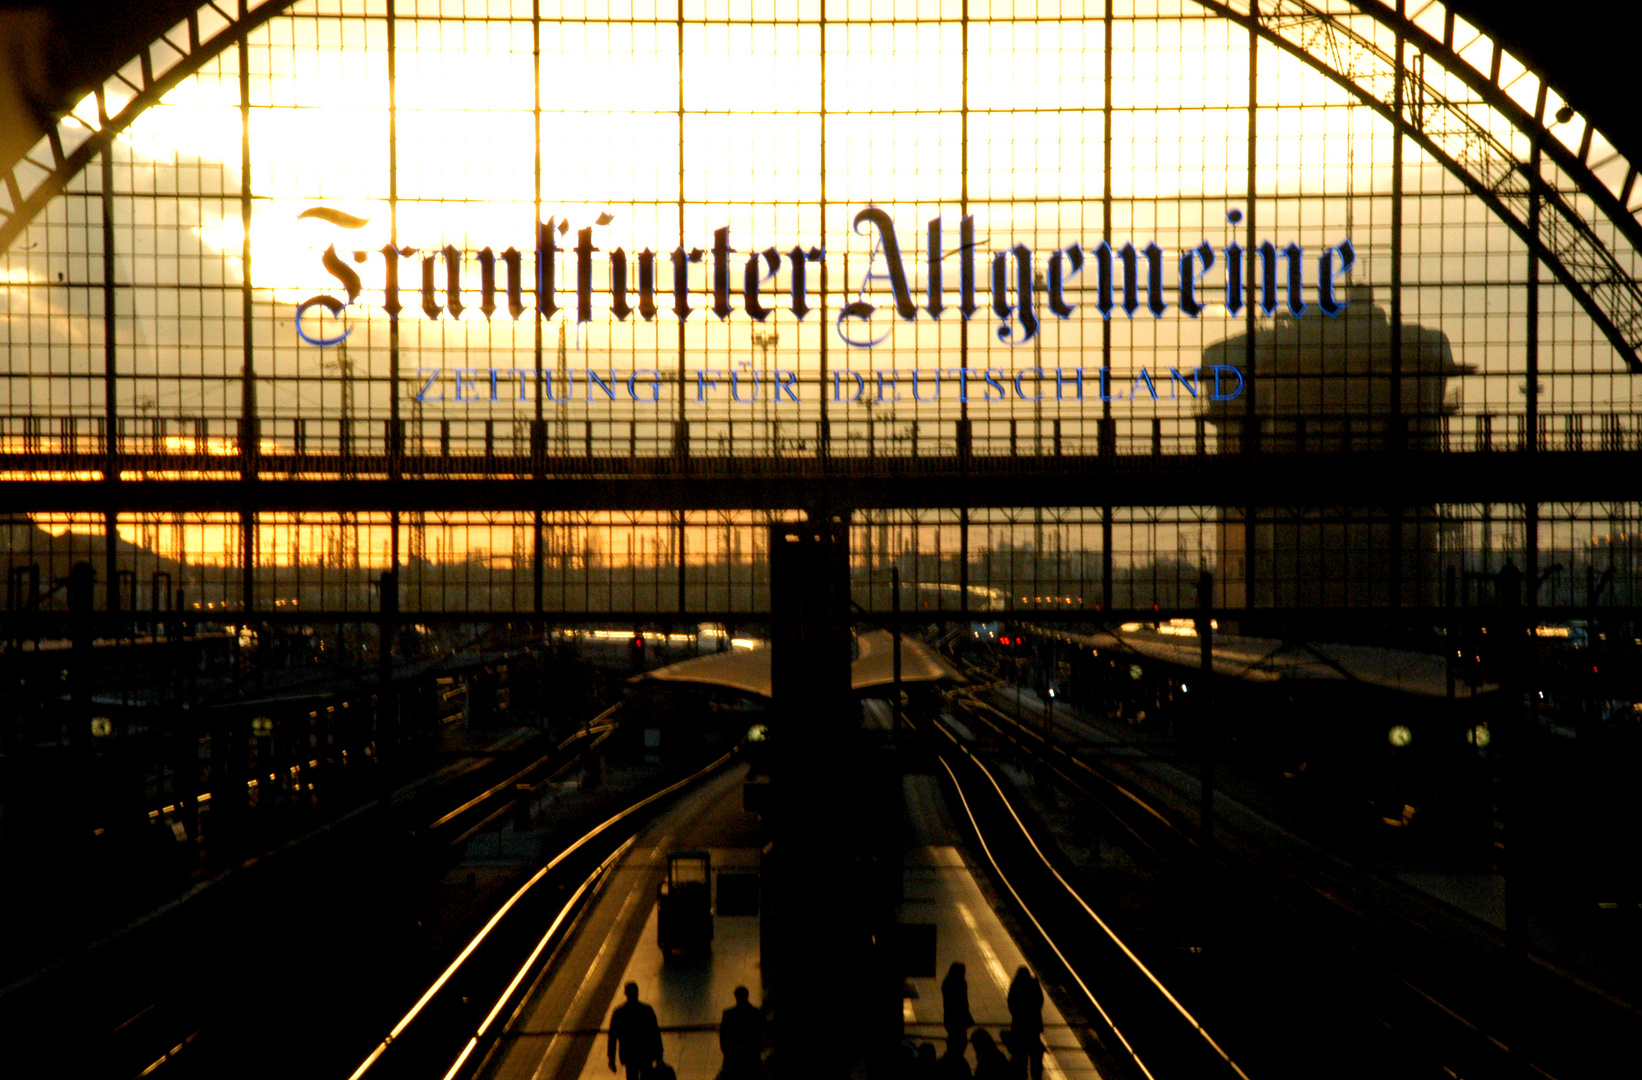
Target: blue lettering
x: 1325, y: 277
x: 655, y: 384
x: 1268, y: 278
x: 1188, y: 276
x: 963, y: 375
x: 330, y: 304
x: 1217, y: 395
x: 1019, y: 375
x: 609, y: 388
x: 1058, y: 278
x: 735, y: 382
x: 1023, y: 295
x: 522, y: 372
x: 896, y: 273
x: 546, y: 378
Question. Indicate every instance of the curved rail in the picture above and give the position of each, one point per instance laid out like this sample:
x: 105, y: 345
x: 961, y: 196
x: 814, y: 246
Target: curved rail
x: 512, y: 901
x: 530, y: 961
x: 1111, y: 935
x: 1472, y: 1037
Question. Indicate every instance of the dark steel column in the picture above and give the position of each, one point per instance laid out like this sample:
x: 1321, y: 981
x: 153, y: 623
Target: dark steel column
x: 829, y: 917
x: 895, y: 643
x: 386, y: 718
x: 1205, y: 704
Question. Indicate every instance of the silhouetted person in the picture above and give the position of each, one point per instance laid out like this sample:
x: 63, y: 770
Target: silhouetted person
x: 1026, y: 1023
x: 634, y: 1035
x: 928, y: 1066
x: 990, y: 1062
x: 660, y: 1071
x: 1508, y: 585
x: 952, y: 1065
x: 955, y: 1007
x: 741, y: 1037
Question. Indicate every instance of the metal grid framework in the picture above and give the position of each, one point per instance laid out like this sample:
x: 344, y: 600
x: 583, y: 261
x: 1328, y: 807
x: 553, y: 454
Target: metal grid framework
x: 391, y: 157
x: 1047, y: 563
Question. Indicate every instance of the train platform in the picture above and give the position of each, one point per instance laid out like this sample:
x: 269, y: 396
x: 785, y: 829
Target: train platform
x: 941, y: 890
x: 562, y: 1027
x: 1466, y: 908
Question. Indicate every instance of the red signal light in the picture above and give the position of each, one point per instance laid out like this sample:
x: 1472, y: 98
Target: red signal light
x: 1003, y: 641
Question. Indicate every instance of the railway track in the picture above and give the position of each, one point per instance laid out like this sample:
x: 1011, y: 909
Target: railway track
x: 1293, y: 974
x: 1145, y: 1025
x: 163, y: 999
x: 450, y: 1028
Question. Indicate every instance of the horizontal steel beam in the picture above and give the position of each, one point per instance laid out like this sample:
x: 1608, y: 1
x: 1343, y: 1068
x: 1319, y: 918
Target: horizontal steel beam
x: 645, y: 619
x: 1259, y: 480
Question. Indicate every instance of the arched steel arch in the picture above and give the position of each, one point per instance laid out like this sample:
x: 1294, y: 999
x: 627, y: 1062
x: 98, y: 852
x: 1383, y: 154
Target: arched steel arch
x: 1330, y: 37
x: 1331, y: 40
x: 41, y: 174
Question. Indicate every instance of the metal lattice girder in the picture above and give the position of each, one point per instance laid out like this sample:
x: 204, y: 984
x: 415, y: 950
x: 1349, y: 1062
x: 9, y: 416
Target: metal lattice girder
x: 27, y: 184
x: 1456, y: 133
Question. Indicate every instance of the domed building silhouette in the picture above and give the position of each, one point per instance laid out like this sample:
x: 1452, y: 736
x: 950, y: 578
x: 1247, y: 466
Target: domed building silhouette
x: 1315, y: 384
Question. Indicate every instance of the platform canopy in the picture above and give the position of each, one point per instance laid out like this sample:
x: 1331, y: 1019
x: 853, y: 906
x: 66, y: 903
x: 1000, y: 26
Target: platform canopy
x: 748, y: 670
x: 1268, y: 659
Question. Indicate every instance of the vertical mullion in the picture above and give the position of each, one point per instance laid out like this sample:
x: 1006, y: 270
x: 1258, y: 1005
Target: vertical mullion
x: 1399, y: 422
x: 539, y: 447
x: 250, y: 435
x: 1102, y: 442
x: 395, y: 438
x: 1251, y: 419
x: 393, y: 207
x: 679, y: 526
x: 111, y: 418
x: 822, y: 435
x: 1530, y: 524
x: 963, y: 323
